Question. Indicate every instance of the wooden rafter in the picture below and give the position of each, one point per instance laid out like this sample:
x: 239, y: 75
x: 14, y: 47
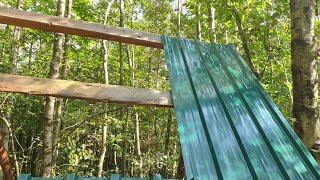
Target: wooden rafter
x: 80, y: 28
x: 85, y: 91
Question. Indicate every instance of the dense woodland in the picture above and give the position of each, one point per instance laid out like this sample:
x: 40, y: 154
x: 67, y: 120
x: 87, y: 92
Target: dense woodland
x: 53, y: 137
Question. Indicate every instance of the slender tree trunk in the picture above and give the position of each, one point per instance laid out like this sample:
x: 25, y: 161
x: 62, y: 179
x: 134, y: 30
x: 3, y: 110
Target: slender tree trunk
x: 33, y: 163
x: 132, y: 153
x: 120, y: 44
x: 304, y: 73
x: 15, y: 41
x: 105, y: 46
x: 48, y: 122
x: 131, y: 63
x: 115, y: 159
x: 103, y: 147
x: 245, y: 45
x: 211, y: 12
x: 125, y: 125
x: 60, y: 101
x: 174, y: 167
x: 125, y: 144
x: 138, y: 149
x: 178, y: 19
x: 198, y: 21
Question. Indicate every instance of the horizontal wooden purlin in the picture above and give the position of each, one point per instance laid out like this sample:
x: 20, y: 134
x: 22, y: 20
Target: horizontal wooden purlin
x: 80, y: 28
x: 85, y: 91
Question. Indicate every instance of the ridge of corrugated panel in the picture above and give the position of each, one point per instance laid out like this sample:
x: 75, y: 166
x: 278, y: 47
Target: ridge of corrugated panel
x: 229, y: 127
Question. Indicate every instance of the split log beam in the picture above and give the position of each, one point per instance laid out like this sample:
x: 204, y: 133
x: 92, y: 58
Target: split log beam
x: 80, y: 28
x: 85, y: 91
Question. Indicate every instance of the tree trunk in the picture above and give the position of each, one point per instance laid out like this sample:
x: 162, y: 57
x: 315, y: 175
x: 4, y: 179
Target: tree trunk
x: 34, y: 160
x: 178, y: 19
x: 254, y: 69
x: 60, y: 101
x: 103, y: 145
x: 125, y: 125
x: 120, y: 44
x: 47, y: 150
x: 211, y: 12
x: 304, y: 73
x: 198, y: 21
x: 138, y: 150
x: 5, y: 162
x: 167, y: 143
x: 132, y: 153
x: 125, y: 144
x: 174, y: 167
x: 131, y: 63
x: 15, y: 41
x: 115, y: 159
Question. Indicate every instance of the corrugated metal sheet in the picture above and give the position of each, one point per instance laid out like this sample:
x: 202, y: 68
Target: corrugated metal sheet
x: 75, y: 177
x: 229, y: 127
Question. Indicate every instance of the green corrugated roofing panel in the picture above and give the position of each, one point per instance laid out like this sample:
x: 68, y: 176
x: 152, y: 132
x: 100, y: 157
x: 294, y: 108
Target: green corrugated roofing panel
x: 229, y: 127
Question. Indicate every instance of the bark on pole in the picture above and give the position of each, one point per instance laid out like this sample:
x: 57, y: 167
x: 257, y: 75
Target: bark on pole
x: 47, y: 149
x: 304, y: 72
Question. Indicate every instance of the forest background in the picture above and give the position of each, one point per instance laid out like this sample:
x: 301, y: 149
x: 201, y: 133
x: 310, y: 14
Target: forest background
x: 96, y: 139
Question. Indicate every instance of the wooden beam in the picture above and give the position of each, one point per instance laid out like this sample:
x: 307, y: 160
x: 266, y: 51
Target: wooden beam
x: 80, y: 28
x: 84, y: 91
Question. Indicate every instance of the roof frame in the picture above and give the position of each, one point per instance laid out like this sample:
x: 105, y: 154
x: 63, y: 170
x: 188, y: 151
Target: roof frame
x: 81, y: 90
x: 85, y: 91
x: 81, y: 28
